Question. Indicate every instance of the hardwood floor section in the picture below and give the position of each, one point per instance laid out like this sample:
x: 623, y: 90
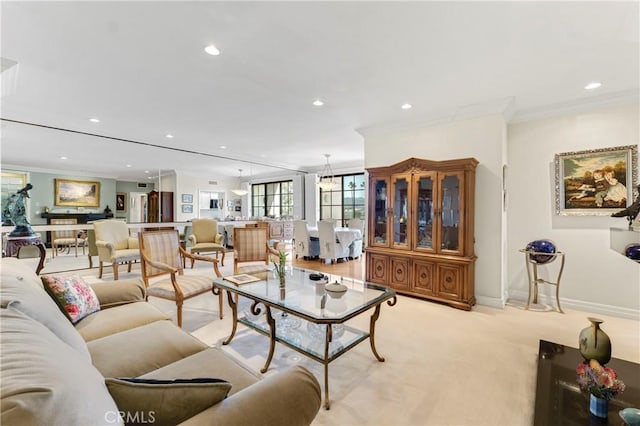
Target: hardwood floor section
x: 351, y: 269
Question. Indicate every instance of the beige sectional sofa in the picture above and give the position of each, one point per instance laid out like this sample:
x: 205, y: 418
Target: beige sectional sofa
x: 54, y: 373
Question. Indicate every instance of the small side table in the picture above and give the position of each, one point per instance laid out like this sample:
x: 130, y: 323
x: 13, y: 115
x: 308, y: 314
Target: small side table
x: 532, y: 269
x: 14, y: 244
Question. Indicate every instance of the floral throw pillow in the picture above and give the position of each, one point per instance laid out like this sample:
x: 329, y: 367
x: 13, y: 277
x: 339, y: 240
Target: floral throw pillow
x: 75, y: 298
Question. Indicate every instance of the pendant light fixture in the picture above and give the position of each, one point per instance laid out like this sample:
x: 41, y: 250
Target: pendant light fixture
x: 326, y: 180
x: 239, y: 190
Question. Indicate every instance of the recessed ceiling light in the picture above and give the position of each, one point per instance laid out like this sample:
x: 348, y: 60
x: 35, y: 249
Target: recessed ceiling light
x: 94, y: 120
x: 406, y: 106
x: 128, y: 165
x: 63, y: 158
x: 593, y: 85
x: 212, y: 50
x: 318, y: 102
x: 146, y: 171
x: 223, y: 147
x: 168, y: 136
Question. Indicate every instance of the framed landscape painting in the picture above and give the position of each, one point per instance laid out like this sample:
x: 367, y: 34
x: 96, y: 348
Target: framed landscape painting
x: 77, y: 193
x: 596, y: 182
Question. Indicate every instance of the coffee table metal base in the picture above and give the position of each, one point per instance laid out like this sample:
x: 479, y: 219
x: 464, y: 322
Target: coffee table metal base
x: 324, y: 355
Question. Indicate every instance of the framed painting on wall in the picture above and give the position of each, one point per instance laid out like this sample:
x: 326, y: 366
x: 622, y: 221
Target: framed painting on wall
x: 121, y: 202
x: 187, y: 198
x: 187, y: 208
x: 596, y: 182
x: 77, y: 193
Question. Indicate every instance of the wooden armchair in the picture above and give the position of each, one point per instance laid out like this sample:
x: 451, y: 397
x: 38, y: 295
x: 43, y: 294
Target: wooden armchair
x: 162, y: 255
x: 251, y: 245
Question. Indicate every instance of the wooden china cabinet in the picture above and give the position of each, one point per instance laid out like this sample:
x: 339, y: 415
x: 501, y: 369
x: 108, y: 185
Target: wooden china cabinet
x: 421, y: 215
x: 158, y: 201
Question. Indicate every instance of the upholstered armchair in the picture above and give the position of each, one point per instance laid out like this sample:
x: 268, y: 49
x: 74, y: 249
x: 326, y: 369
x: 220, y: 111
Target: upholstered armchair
x: 204, y: 238
x: 114, y: 244
x: 162, y: 256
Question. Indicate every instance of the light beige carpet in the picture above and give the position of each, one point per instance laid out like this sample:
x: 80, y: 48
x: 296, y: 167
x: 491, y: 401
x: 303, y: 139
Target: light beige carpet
x: 443, y: 366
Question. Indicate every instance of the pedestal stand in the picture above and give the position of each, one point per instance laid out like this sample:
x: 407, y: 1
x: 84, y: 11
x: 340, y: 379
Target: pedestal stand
x: 14, y: 244
x: 534, y: 280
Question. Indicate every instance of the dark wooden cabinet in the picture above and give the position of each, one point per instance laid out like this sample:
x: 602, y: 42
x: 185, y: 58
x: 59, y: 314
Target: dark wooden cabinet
x: 160, y: 206
x: 421, y: 229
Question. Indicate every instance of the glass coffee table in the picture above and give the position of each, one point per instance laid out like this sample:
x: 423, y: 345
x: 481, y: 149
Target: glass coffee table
x: 305, y: 316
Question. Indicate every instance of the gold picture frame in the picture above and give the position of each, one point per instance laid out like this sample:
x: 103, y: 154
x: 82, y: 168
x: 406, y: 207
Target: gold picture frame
x: 597, y: 181
x: 77, y: 193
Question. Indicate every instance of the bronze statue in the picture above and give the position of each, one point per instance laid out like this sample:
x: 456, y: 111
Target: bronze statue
x: 15, y: 210
x: 630, y: 212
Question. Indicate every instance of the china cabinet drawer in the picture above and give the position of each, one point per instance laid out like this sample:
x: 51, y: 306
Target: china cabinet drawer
x: 400, y: 273
x: 424, y: 277
x: 450, y: 281
x: 377, y: 268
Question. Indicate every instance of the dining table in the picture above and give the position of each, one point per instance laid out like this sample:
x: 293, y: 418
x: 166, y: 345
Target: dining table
x: 345, y: 236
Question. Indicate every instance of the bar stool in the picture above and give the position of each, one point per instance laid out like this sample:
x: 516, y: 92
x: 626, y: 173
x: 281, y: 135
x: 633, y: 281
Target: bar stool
x: 532, y: 269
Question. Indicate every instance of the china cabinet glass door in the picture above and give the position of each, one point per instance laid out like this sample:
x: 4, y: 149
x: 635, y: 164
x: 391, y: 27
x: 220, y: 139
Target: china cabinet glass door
x: 401, y: 211
x: 379, y: 226
x: 451, y: 236
x: 425, y: 211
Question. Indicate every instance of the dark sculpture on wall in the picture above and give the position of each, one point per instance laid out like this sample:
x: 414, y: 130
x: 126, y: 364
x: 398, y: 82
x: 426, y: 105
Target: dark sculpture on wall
x: 16, y: 211
x: 630, y: 212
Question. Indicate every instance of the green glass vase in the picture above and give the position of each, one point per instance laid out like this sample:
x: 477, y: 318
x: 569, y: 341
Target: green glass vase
x: 594, y: 342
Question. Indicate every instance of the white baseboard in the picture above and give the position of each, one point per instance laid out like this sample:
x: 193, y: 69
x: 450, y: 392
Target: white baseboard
x: 493, y: 302
x: 580, y: 305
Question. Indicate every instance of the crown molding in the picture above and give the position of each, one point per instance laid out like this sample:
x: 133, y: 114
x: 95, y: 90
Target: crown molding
x: 501, y: 106
x: 610, y: 99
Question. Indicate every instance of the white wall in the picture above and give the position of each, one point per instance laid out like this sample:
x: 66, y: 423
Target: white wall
x: 595, y: 277
x: 481, y: 138
x: 188, y: 184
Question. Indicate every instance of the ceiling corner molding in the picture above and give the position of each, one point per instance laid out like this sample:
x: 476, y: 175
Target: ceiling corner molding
x: 62, y: 172
x: 500, y: 106
x: 609, y: 99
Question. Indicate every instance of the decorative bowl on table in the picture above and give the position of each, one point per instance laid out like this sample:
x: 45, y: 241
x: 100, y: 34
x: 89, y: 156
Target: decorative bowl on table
x: 541, y: 246
x: 335, y: 289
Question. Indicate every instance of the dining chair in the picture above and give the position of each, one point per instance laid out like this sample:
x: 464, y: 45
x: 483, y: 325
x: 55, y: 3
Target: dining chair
x: 115, y: 245
x: 205, y: 238
x: 61, y: 239
x: 355, y: 249
x: 330, y: 247
x: 162, y: 256
x: 303, y: 244
x: 356, y: 224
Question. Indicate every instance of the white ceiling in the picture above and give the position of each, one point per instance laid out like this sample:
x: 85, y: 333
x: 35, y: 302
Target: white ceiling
x: 140, y: 67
